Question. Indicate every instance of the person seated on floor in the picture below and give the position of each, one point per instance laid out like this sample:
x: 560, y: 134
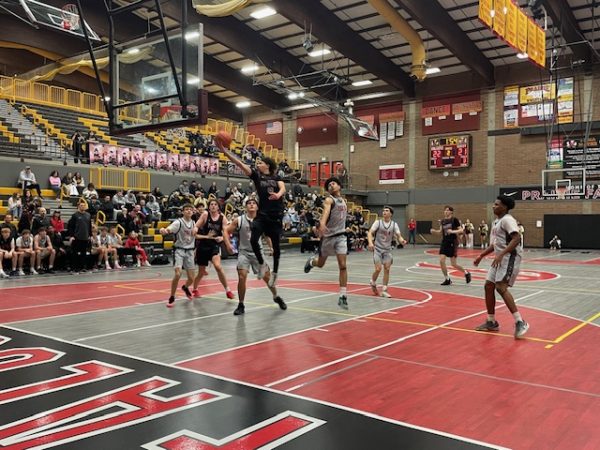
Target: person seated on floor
x: 132, y: 242
x: 104, y: 242
x: 58, y: 245
x: 25, y: 249
x: 42, y: 244
x: 555, y: 243
x: 7, y: 251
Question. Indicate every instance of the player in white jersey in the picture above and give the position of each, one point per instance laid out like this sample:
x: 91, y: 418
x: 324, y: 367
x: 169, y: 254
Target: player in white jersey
x: 246, y: 258
x: 505, y: 242
x: 384, y: 231
x: 332, y: 230
x: 184, y: 229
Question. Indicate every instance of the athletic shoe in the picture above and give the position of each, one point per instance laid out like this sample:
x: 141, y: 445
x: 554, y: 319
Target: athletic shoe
x: 188, y: 294
x: 521, y: 328
x: 147, y: 263
x: 3, y: 275
x: 117, y: 266
x: 308, y: 266
x: 21, y: 273
x: 468, y: 277
x: 373, y: 287
x: 262, y: 271
x: 385, y: 294
x: 171, y: 302
x: 50, y: 270
x: 272, y: 279
x: 230, y: 295
x: 239, y: 310
x: 196, y: 293
x: 343, y: 301
x: 488, y: 325
x: 33, y: 271
x: 447, y: 282
x: 280, y: 302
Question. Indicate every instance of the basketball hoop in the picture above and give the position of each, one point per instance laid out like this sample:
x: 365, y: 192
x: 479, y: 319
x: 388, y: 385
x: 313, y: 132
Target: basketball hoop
x: 70, y: 17
x: 561, y: 193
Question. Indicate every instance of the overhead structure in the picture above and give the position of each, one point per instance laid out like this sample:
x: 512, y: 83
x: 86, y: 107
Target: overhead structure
x: 225, y: 8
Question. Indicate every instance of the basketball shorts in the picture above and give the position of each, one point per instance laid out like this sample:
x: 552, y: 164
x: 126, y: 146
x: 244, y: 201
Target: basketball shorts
x: 449, y: 249
x: 334, y: 245
x: 247, y: 261
x: 507, y: 271
x: 382, y: 257
x: 204, y: 255
x: 184, y: 258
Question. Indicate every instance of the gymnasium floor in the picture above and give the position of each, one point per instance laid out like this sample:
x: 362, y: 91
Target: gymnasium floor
x: 97, y: 361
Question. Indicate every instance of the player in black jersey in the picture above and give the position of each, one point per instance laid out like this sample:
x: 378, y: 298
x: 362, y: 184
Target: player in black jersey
x: 271, y: 190
x: 211, y: 232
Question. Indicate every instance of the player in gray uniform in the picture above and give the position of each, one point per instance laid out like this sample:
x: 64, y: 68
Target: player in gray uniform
x: 385, y: 231
x: 505, y: 242
x: 332, y: 230
x: 246, y: 258
x: 184, y: 229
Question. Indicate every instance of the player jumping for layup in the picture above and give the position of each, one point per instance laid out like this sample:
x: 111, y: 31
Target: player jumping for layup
x: 332, y: 229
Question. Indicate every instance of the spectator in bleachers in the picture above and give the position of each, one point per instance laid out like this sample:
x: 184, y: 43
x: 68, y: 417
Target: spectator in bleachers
x: 77, y: 145
x: 7, y: 251
x: 130, y: 199
x: 104, y: 242
x: 145, y: 211
x: 89, y: 191
x: 55, y: 183
x: 134, y: 221
x: 184, y: 188
x: 107, y: 207
x: 56, y: 222
x: 154, y: 207
x: 158, y: 194
x: 8, y: 218
x: 59, y: 246
x: 122, y: 216
x: 213, y: 189
x: 40, y: 220
x: 14, y: 205
x: 116, y: 242
x: 118, y: 200
x: 25, y: 249
x: 25, y: 221
x: 94, y: 205
x: 69, y: 186
x: 199, y: 199
x: 27, y: 180
x: 79, y: 229
x: 194, y: 187
x: 42, y: 245
x: 79, y: 182
x: 133, y: 243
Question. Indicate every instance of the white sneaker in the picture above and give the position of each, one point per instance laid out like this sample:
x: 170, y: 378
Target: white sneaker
x: 108, y: 266
x: 138, y: 265
x: 385, y: 294
x: 33, y: 271
x: 21, y: 273
x: 3, y: 274
x: 147, y: 263
x: 117, y: 265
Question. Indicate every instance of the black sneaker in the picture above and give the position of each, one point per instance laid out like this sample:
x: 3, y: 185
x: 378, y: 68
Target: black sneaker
x: 239, y: 310
x: 468, y: 277
x: 187, y: 292
x: 50, y: 270
x: 343, y: 301
x: 521, y: 328
x: 280, y: 302
x: 488, y: 325
x: 171, y: 302
x: 308, y: 266
x: 447, y: 282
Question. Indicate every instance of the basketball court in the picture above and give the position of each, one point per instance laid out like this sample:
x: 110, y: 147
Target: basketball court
x: 98, y: 358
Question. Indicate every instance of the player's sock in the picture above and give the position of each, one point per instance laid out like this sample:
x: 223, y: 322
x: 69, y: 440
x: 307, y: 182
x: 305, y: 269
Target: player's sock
x: 491, y: 317
x: 517, y: 316
x: 342, y: 291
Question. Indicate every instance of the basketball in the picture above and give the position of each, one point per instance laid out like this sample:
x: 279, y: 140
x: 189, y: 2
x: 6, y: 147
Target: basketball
x: 224, y: 138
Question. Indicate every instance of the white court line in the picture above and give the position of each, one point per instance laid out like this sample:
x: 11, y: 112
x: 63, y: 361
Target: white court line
x: 5, y: 286
x: 387, y: 344
x: 251, y: 344
x: 275, y: 391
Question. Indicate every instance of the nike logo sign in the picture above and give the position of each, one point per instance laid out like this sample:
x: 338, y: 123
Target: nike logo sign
x: 511, y: 193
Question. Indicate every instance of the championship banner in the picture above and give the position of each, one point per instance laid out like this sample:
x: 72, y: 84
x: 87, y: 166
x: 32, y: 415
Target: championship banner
x: 541, y: 46
x: 392, y: 116
x: 511, y: 24
x: 537, y: 93
x: 564, y: 97
x: 467, y: 107
x: 391, y: 174
x: 436, y: 111
x: 522, y: 28
x: 531, y: 40
x: 485, y: 11
x: 500, y: 17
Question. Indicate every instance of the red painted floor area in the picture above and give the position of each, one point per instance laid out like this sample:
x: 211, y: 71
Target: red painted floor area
x: 402, y: 365
x: 480, y: 273
x: 474, y: 253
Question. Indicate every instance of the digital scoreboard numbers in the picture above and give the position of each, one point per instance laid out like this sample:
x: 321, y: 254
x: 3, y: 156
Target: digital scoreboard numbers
x: 450, y: 152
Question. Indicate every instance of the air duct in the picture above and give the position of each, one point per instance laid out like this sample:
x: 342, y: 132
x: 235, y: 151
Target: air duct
x: 399, y: 24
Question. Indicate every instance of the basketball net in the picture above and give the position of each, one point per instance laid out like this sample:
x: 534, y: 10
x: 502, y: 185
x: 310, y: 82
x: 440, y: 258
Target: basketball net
x: 561, y: 192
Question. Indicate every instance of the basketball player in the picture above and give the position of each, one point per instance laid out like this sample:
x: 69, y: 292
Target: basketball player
x: 450, y: 229
x: 385, y: 231
x: 185, y: 239
x: 246, y: 257
x: 332, y: 230
x: 271, y: 191
x: 505, y: 242
x: 211, y: 226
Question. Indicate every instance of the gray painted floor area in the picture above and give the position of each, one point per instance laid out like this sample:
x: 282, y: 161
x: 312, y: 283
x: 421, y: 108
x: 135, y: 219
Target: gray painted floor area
x: 207, y: 325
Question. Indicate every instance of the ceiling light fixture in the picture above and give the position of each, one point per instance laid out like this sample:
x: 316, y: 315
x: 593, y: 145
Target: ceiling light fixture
x: 133, y: 51
x: 244, y: 104
x: 317, y: 53
x: 432, y: 70
x: 193, y: 80
x: 362, y: 83
x: 522, y: 55
x: 249, y: 69
x: 191, y: 35
x: 261, y: 13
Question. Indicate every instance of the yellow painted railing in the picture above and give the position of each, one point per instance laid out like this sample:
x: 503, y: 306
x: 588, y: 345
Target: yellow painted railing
x: 117, y: 179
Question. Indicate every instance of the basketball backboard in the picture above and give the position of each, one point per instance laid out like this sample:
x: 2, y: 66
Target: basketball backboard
x: 562, y: 184
x: 362, y: 128
x: 61, y: 19
x: 151, y: 75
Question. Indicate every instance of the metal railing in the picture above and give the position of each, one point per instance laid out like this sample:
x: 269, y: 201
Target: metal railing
x: 117, y: 179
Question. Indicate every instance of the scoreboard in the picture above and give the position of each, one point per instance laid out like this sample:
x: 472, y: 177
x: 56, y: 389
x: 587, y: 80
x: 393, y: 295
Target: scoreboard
x: 450, y: 152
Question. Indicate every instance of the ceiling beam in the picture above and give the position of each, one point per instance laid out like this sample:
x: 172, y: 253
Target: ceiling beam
x: 435, y: 19
x: 242, y: 39
x: 564, y: 19
x: 339, y: 36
